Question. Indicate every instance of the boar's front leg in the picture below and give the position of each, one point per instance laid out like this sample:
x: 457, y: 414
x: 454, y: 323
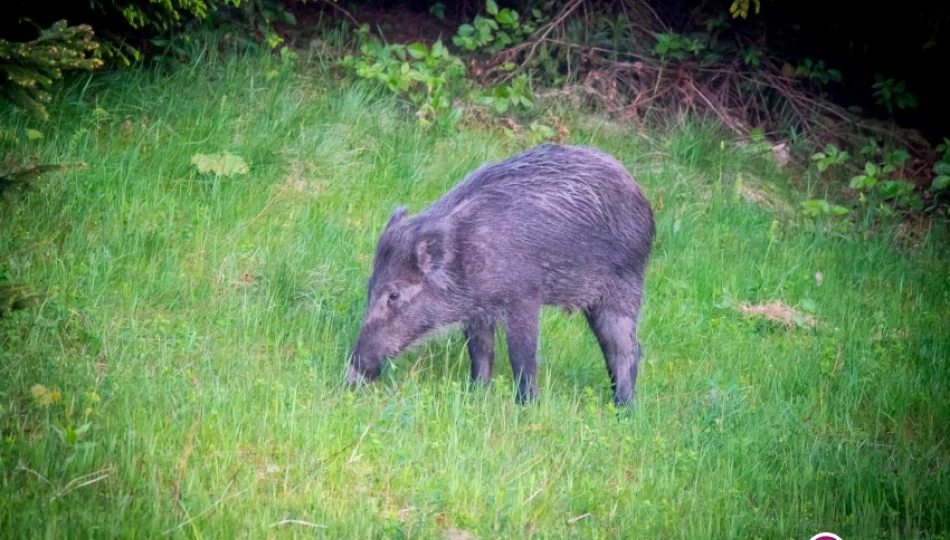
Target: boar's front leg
x: 522, y: 335
x: 616, y: 331
x: 481, y: 348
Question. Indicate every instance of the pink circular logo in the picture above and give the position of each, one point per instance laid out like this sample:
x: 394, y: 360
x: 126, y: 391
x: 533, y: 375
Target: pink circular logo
x: 825, y: 536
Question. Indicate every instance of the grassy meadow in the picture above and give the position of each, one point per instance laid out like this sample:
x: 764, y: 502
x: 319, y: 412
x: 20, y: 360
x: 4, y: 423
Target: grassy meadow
x: 181, y: 376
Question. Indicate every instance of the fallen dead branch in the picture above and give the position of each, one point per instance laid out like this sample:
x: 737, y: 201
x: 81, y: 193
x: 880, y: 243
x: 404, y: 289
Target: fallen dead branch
x: 641, y: 88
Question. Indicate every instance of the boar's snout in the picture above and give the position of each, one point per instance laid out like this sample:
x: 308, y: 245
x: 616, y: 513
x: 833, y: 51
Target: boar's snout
x: 365, y: 364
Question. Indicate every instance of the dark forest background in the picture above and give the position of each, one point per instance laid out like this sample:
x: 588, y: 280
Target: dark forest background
x: 839, y: 73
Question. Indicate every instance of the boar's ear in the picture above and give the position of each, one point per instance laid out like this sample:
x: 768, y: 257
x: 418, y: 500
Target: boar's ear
x: 397, y: 216
x: 434, y: 254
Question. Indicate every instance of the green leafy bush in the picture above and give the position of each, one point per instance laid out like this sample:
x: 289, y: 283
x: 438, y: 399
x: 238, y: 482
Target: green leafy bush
x: 892, y: 94
x: 677, y: 46
x: 878, y: 185
x: 28, y: 70
x: 740, y: 8
x: 430, y: 77
x: 821, y: 207
x: 830, y: 157
x: 817, y: 71
x: 941, y: 168
x: 503, y: 27
x: 507, y: 96
x: 162, y: 14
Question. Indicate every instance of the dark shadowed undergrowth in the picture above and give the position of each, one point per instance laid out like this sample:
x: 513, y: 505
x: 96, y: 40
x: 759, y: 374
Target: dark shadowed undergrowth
x: 182, y: 371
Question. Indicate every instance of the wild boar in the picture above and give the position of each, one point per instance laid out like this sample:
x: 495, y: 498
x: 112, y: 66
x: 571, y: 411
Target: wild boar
x: 556, y: 225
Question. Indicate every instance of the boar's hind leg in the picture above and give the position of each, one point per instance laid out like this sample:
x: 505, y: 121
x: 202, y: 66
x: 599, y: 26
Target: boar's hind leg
x: 481, y: 348
x: 616, y: 331
x: 521, y: 329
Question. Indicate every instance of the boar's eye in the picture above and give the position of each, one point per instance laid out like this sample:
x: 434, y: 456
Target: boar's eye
x: 394, y: 296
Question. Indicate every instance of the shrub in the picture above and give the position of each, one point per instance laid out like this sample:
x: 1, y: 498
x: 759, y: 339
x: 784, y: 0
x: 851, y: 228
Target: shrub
x: 29, y: 69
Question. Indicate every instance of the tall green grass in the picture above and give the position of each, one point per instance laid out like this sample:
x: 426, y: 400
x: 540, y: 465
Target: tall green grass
x: 196, y: 331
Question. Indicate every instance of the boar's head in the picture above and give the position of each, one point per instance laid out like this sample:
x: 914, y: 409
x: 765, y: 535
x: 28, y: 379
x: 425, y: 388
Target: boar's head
x: 409, y: 291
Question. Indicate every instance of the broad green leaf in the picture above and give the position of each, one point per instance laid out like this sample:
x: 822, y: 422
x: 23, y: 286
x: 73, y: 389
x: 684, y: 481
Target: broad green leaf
x: 814, y: 207
x: 900, y: 157
x: 222, y: 164
x: 940, y: 183
x: 545, y: 130
x: 890, y: 189
x: 711, y: 58
x: 942, y: 168
x: 491, y: 7
x: 418, y: 50
x: 508, y: 17
x: 44, y: 396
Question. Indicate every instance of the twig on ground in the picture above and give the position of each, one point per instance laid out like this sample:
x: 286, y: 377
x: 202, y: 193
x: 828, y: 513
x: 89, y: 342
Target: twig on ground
x: 345, y: 13
x: 821, y: 396
x: 24, y: 468
x: 224, y: 497
x: 578, y: 518
x: 298, y: 522
x: 183, y: 462
x: 545, y: 31
x: 82, y: 481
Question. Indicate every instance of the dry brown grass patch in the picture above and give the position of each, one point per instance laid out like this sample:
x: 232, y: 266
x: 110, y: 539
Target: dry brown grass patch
x: 755, y: 193
x: 777, y: 312
x: 301, y: 179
